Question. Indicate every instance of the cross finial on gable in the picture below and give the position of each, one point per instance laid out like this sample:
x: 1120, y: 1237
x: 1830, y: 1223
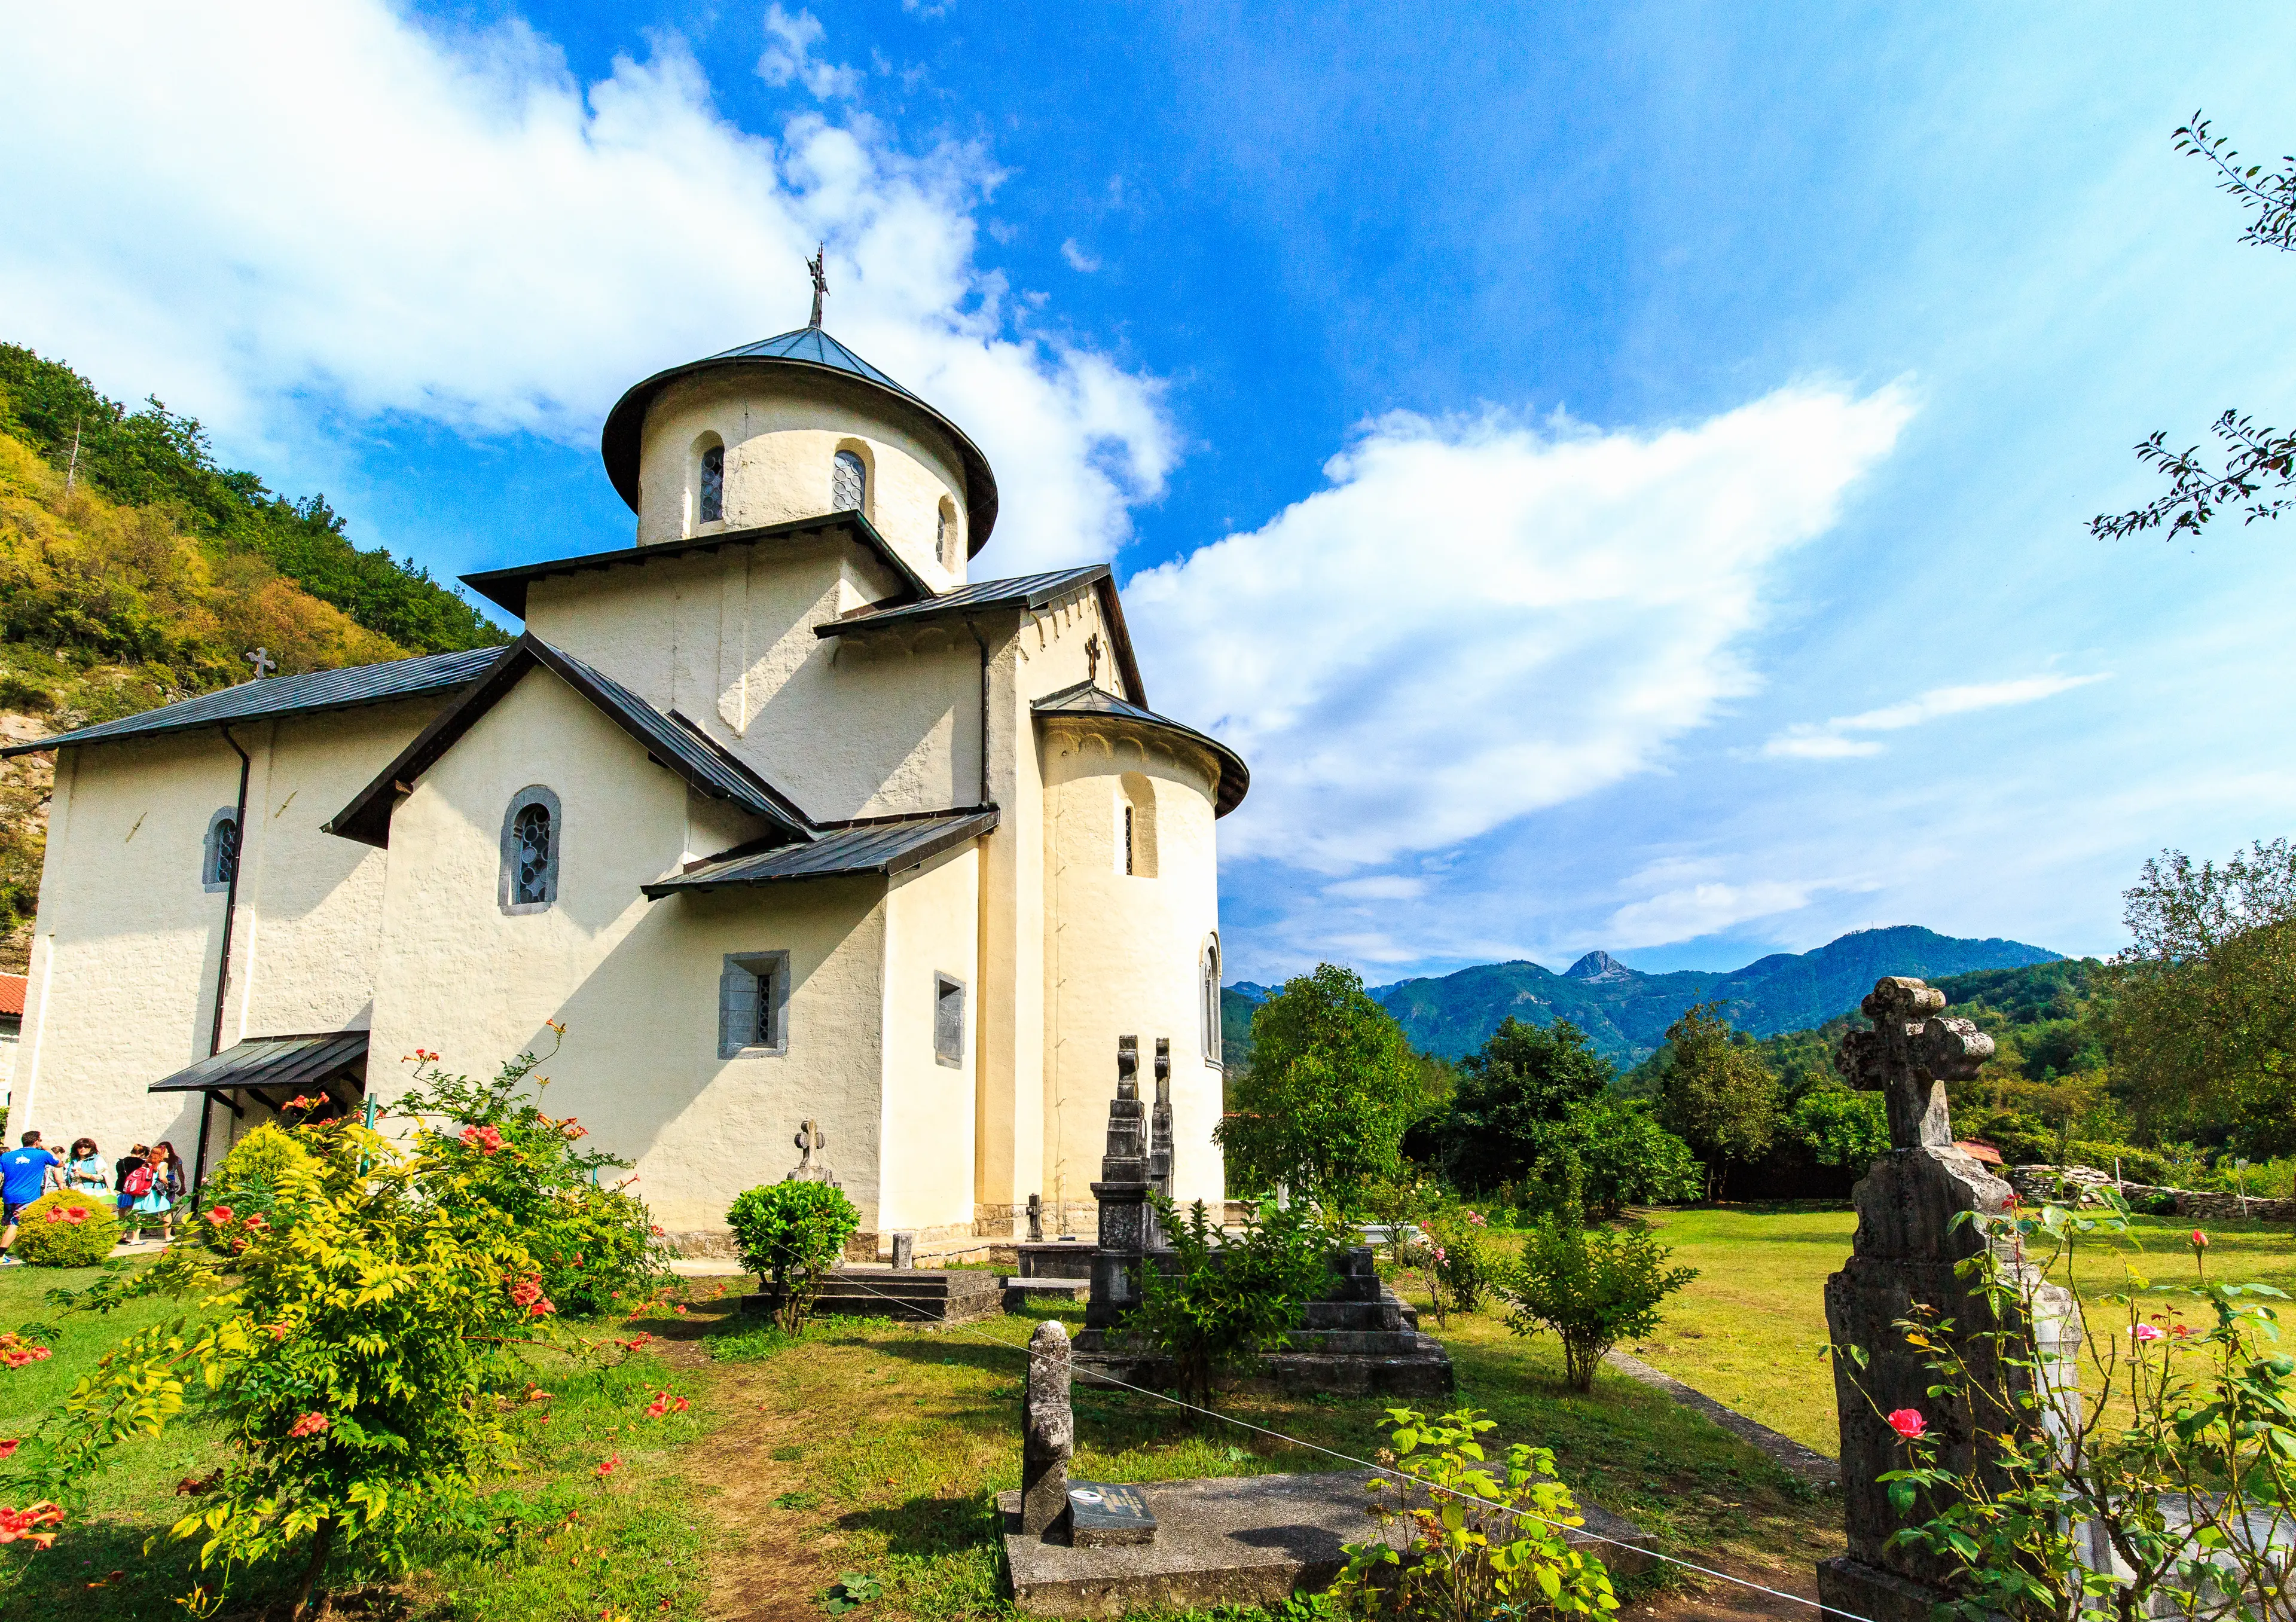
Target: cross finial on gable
x: 1908, y: 1057
x: 263, y: 662
x: 1092, y: 659
x: 820, y: 280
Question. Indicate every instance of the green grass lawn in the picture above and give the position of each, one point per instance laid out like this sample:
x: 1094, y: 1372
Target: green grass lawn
x: 1748, y: 1331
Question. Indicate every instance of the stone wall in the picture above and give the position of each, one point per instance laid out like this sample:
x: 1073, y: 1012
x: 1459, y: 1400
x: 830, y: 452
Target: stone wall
x: 2045, y: 1181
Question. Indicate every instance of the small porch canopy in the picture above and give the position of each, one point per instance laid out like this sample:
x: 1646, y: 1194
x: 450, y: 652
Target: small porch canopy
x: 273, y: 1070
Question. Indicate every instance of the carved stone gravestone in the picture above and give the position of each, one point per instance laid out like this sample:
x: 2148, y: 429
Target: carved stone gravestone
x: 811, y: 1165
x: 1128, y: 1229
x: 1035, y: 1219
x: 1047, y: 1431
x: 1906, y: 1251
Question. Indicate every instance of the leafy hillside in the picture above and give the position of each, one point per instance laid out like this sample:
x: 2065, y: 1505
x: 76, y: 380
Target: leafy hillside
x: 140, y: 575
x: 1626, y: 1012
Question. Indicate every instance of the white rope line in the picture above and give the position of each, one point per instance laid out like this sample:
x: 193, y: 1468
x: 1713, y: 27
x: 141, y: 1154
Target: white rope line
x: 1094, y: 1377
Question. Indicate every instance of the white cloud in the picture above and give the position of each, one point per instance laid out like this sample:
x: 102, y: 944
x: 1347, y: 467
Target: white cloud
x: 1077, y: 258
x: 1829, y: 740
x: 1476, y: 619
x: 1377, y: 887
x: 1700, y: 909
x: 789, y: 55
x: 262, y: 212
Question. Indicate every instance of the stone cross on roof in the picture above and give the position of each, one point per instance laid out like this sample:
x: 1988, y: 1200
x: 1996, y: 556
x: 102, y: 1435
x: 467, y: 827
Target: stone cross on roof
x: 820, y: 282
x: 1908, y: 1057
x: 263, y: 662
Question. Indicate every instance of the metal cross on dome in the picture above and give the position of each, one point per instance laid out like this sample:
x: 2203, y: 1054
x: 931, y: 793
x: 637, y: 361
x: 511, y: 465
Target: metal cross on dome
x: 1908, y: 1057
x: 820, y: 280
x: 263, y: 662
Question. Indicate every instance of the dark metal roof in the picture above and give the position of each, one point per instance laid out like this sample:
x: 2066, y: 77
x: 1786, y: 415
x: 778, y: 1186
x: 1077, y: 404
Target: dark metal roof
x: 507, y: 586
x: 1085, y: 698
x: 672, y: 741
x: 872, y: 848
x: 287, y: 695
x: 808, y: 348
x: 273, y: 1061
x: 1022, y: 593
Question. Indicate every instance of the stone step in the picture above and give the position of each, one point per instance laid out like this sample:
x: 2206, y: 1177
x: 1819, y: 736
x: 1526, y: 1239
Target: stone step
x: 908, y: 1294
x: 1021, y: 1294
x: 1361, y: 1342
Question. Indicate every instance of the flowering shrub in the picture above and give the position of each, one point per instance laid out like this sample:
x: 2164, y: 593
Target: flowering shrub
x: 1592, y: 1289
x: 2182, y: 1458
x: 592, y: 1242
x: 66, y: 1230
x: 352, y: 1359
x: 791, y: 1233
x: 1486, y: 1541
x: 15, y: 1353
x: 247, y: 1183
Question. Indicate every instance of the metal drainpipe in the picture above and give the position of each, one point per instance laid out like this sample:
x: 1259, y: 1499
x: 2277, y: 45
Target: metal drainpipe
x: 222, y: 962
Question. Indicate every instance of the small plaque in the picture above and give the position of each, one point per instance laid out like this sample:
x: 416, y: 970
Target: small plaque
x: 1102, y: 1514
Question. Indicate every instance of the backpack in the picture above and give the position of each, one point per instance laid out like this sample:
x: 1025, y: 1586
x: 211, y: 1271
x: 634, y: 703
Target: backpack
x: 139, y: 1182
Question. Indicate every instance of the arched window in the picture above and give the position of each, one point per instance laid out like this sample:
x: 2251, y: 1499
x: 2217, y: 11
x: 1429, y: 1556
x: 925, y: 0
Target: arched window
x: 945, y: 533
x: 1209, y: 974
x: 220, y: 858
x: 848, y: 483
x: 1136, y: 826
x: 709, y: 505
x: 532, y: 834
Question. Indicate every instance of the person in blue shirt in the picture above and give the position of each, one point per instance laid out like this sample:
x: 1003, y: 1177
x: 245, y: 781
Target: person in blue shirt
x: 23, y: 1178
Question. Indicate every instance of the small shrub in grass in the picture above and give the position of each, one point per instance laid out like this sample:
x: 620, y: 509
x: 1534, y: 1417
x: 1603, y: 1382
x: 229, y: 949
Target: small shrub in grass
x: 792, y: 1233
x: 1470, y: 1558
x: 66, y: 1230
x: 1593, y: 1289
x: 249, y: 1182
x: 1226, y: 1303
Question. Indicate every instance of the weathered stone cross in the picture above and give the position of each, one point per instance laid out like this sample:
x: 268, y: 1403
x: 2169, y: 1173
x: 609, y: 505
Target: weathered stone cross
x: 263, y: 662
x: 820, y: 282
x: 1908, y: 1057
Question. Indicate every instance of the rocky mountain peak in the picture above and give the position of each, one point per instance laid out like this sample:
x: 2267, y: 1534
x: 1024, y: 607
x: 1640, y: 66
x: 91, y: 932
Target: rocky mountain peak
x: 1598, y: 966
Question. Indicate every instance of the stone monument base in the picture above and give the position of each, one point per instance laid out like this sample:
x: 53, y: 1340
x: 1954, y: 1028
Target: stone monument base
x: 1245, y: 1540
x: 1849, y: 1588
x: 906, y: 1295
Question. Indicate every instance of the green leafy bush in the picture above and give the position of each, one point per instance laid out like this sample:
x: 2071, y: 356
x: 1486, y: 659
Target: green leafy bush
x: 66, y: 1230
x: 593, y: 1241
x: 1485, y: 1541
x: 789, y: 1234
x: 250, y: 1179
x: 356, y: 1364
x: 1593, y: 1289
x: 1226, y: 1302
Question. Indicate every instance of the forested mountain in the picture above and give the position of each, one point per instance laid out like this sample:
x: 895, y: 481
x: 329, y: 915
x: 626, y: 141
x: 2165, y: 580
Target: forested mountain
x: 134, y: 572
x: 1626, y: 1012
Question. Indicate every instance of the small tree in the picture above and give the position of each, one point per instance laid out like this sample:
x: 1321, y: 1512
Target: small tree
x: 1225, y: 1303
x: 1716, y: 1093
x: 1513, y: 1094
x: 792, y: 1233
x: 1332, y: 1087
x: 1592, y: 1289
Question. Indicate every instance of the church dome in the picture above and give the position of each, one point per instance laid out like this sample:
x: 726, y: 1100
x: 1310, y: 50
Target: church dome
x: 807, y: 349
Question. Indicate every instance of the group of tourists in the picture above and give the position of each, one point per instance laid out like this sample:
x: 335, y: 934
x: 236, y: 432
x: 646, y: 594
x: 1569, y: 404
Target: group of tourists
x: 146, y: 1183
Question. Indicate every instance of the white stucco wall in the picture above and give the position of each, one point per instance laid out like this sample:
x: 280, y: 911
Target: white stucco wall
x: 846, y: 727
x: 125, y: 946
x: 1125, y: 950
x: 634, y: 981
x: 781, y: 433
x: 931, y: 927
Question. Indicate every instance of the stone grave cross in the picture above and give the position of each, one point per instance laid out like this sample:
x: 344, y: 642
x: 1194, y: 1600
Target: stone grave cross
x: 1908, y: 1057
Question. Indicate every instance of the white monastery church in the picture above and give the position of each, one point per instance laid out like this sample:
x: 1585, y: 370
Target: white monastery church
x: 778, y: 811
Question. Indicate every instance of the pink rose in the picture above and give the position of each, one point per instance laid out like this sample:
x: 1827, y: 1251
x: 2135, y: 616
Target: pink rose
x: 1908, y: 1423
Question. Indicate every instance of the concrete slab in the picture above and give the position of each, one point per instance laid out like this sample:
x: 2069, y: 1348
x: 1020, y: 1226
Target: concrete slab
x: 1247, y: 1540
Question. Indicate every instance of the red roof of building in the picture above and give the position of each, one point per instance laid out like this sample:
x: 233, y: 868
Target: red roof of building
x: 12, y: 994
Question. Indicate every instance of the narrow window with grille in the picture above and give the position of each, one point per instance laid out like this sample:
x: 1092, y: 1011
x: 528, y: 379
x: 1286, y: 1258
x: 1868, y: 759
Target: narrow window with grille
x: 848, y: 483
x: 711, y: 507
x: 753, y: 1005
x: 948, y: 1021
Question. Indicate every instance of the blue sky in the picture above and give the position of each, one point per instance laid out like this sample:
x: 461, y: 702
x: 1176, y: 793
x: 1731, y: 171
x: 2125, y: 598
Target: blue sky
x: 1620, y: 475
